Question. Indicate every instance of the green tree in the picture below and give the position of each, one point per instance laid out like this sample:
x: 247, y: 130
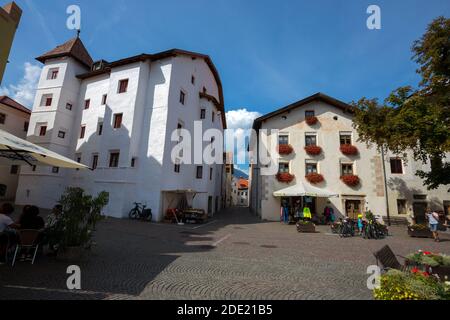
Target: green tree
x: 416, y: 119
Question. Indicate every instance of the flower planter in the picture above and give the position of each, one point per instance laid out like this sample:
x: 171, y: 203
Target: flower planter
x: 419, y: 233
x: 314, y: 178
x: 285, y: 177
x: 349, y: 149
x: 350, y: 180
x: 285, y: 149
x: 313, y: 150
x: 311, y: 120
x: 306, y: 227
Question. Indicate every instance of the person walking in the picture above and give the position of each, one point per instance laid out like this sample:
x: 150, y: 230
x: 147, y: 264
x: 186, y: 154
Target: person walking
x: 433, y: 221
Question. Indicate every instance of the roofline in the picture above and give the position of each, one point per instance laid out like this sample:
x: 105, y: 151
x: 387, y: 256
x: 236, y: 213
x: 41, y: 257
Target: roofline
x: 318, y: 96
x: 42, y: 59
x: 162, y: 55
x: 24, y: 110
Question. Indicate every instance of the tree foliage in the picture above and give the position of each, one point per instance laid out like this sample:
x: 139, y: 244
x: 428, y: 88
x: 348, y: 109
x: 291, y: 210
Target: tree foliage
x: 416, y: 119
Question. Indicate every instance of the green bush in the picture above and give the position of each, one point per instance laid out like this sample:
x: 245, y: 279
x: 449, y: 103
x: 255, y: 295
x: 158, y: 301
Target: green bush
x: 424, y: 258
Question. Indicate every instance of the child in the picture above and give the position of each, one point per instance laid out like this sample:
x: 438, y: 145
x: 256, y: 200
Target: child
x: 360, y: 223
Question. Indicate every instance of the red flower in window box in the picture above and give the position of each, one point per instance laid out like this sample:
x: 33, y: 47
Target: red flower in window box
x: 285, y: 149
x: 348, y: 149
x: 285, y: 177
x: 313, y: 150
x: 311, y: 120
x: 350, y: 180
x: 314, y: 178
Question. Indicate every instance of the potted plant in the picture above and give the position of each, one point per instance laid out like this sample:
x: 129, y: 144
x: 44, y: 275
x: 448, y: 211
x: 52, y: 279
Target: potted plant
x: 311, y: 120
x: 433, y: 263
x: 79, y: 215
x: 348, y: 149
x: 313, y: 150
x: 314, y: 177
x: 285, y: 149
x: 350, y: 180
x: 419, y: 231
x: 285, y: 177
x: 306, y: 227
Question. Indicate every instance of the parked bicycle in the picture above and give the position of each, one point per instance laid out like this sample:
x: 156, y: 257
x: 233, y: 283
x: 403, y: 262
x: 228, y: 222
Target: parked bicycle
x: 347, y: 228
x: 373, y: 230
x: 140, y: 212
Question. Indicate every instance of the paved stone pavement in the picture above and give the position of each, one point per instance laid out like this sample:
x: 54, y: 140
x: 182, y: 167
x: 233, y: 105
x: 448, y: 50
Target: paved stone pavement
x: 234, y: 256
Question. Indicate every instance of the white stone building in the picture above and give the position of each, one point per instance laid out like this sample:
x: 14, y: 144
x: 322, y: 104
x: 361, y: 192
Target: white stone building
x: 334, y: 128
x: 118, y: 118
x: 239, y: 193
x: 14, y: 118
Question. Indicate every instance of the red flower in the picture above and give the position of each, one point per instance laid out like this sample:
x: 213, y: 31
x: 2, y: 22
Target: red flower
x: 285, y: 149
x: 314, y: 178
x: 425, y: 274
x: 414, y: 270
x: 285, y: 177
x: 311, y: 120
x: 348, y: 149
x: 350, y: 180
x: 426, y: 253
x: 313, y: 150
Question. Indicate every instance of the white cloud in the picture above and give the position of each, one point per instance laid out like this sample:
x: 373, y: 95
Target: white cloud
x: 24, y: 91
x: 238, y: 123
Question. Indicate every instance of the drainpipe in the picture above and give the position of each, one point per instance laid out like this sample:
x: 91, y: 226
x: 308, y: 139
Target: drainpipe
x: 385, y: 187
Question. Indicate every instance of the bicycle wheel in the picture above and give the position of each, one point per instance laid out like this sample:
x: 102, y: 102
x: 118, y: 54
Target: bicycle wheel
x: 134, y: 213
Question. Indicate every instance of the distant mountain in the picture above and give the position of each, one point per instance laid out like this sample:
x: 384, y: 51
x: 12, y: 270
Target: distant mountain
x: 240, y: 174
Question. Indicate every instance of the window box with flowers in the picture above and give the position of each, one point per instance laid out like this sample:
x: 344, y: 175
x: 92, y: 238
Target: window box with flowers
x: 311, y: 120
x: 350, y: 180
x: 313, y: 150
x: 314, y: 177
x: 285, y: 177
x: 348, y: 149
x: 285, y: 149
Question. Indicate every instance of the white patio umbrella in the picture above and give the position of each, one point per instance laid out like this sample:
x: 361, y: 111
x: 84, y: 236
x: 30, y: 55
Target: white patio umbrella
x: 14, y: 150
x: 301, y: 189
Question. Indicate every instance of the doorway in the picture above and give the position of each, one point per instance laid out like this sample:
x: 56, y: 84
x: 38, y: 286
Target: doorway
x: 352, y: 208
x: 419, y: 209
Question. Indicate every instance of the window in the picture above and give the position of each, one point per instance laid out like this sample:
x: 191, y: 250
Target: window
x: 202, y: 113
x: 283, y: 167
x: 401, y: 206
x: 420, y: 197
x: 345, y: 138
x: 33, y: 168
x: 3, y: 189
x: 210, y: 173
x: 309, y: 113
x: 78, y: 157
x: 82, y: 132
x: 117, y: 120
x: 55, y: 169
x: 61, y: 134
x: 133, y: 162
x: 94, y: 161
x: 68, y: 106
x: 396, y: 166
x: 182, y: 97
x: 193, y: 79
x: 311, y: 168
x: 123, y: 86
x: 104, y: 98
x: 87, y: 103
x: 199, y: 173
x: 2, y: 118
x: 176, y: 167
x: 346, y: 169
x: 100, y: 128
x: 48, y: 101
x: 213, y: 114
x: 283, y: 139
x: 26, y: 124
x: 179, y: 126
x: 310, y: 140
x: 42, y: 131
x: 52, y: 73
x: 14, y: 169
x: 114, y: 159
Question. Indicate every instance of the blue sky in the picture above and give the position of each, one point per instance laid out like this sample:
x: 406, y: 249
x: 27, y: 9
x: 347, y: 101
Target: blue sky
x: 268, y: 53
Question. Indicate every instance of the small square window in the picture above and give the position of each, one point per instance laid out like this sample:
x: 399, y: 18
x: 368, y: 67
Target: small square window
x: 346, y: 169
x: 42, y: 131
x: 55, y: 169
x: 68, y: 106
x: 117, y: 121
x: 182, y: 97
x: 283, y: 167
x: 202, y: 113
x: 61, y: 134
x: 82, y: 132
x: 345, y: 138
x: 283, y: 139
x: 176, y: 168
x: 199, y: 172
x: 87, y: 103
x: 310, y: 140
x: 2, y: 118
x: 309, y: 113
x: 48, y: 101
x: 53, y: 73
x: 14, y: 169
x: 396, y: 166
x: 114, y: 159
x: 311, y: 168
x: 123, y: 86
x: 104, y: 98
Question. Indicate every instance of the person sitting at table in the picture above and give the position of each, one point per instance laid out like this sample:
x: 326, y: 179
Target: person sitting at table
x: 5, y: 217
x: 30, y: 219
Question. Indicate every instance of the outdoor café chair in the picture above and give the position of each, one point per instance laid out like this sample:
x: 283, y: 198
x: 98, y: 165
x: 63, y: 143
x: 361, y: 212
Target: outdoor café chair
x: 28, y: 239
x: 387, y: 259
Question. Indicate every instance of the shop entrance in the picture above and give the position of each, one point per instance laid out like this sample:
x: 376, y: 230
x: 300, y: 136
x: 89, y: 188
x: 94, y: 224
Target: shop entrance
x: 352, y: 208
x: 419, y: 209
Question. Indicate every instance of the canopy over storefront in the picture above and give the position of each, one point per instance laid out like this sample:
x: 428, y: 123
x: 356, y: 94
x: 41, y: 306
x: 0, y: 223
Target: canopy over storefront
x: 302, y: 189
x: 14, y: 150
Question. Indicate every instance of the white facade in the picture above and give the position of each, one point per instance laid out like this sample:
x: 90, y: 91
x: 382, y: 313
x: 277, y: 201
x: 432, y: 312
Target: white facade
x: 367, y: 164
x: 151, y: 110
x: 239, y: 193
x: 14, y: 121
